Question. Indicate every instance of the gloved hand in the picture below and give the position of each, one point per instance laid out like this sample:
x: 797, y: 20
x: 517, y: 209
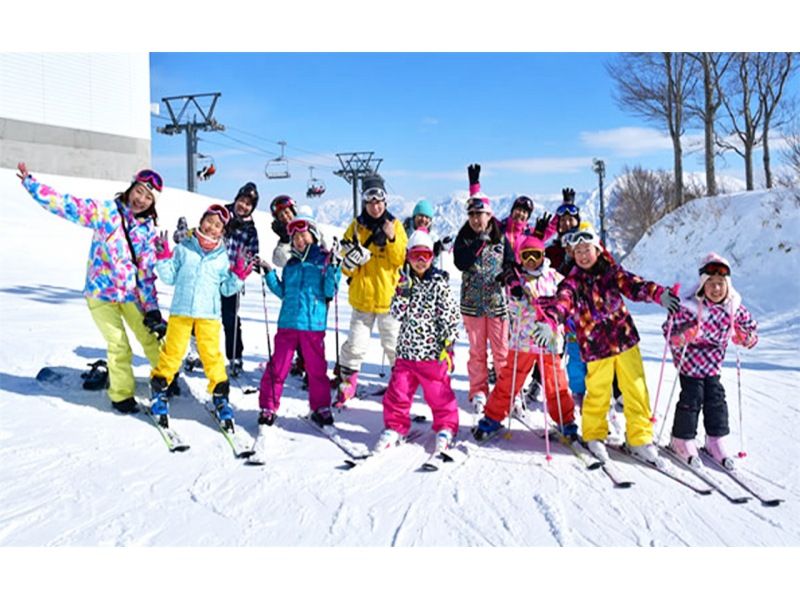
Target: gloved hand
x: 155, y: 323
x: 542, y: 222
x: 669, y: 301
x: 680, y: 339
x: 406, y: 282
x: 447, y: 243
x: 181, y: 232
x: 447, y: 355
x: 568, y: 194
x: 355, y: 255
x: 242, y: 268
x: 163, y: 252
x: 543, y: 334
x: 474, y: 173
x: 279, y: 228
x: 260, y: 265
x: 740, y: 337
x: 509, y: 276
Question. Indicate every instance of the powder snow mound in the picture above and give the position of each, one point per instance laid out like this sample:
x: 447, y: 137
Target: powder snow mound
x: 757, y: 231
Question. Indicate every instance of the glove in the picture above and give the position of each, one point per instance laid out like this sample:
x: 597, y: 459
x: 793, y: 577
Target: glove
x: 447, y: 243
x: 155, y: 323
x: 181, y: 232
x: 279, y: 228
x: 446, y: 355
x: 474, y: 173
x: 740, y: 337
x: 509, y: 276
x: 242, y: 268
x: 541, y: 225
x: 405, y: 283
x: 543, y: 334
x: 568, y: 193
x: 163, y: 252
x: 355, y: 255
x: 669, y: 301
x: 516, y: 291
x: 259, y: 265
x: 685, y: 337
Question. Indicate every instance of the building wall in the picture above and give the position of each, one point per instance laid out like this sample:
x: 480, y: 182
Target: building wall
x: 75, y: 114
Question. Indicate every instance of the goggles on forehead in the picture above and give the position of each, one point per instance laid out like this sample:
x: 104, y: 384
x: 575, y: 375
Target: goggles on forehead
x: 583, y: 236
x: 297, y: 226
x: 421, y: 254
x: 567, y: 208
x: 218, y: 210
x: 280, y: 203
x: 715, y: 269
x: 531, y: 254
x: 151, y: 178
x: 374, y: 194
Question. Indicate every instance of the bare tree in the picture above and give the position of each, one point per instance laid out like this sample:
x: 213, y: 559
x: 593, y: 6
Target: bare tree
x: 656, y: 86
x: 704, y: 106
x: 640, y: 198
x: 745, y: 113
x: 791, y: 154
x: 773, y: 71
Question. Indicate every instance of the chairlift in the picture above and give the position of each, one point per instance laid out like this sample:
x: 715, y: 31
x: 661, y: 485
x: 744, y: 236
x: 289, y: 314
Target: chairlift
x: 206, y: 167
x: 315, y: 186
x: 278, y: 168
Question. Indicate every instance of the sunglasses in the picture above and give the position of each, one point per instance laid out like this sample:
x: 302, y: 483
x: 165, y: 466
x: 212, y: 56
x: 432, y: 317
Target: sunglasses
x: 420, y: 255
x: 567, y: 208
x: 297, y: 226
x: 580, y: 237
x: 220, y: 211
x: 374, y: 195
x: 715, y: 269
x: 531, y: 254
x: 151, y: 178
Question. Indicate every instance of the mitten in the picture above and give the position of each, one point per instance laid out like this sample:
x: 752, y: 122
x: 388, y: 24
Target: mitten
x: 155, y: 323
x: 474, y: 174
x: 669, y: 301
x: 542, y: 222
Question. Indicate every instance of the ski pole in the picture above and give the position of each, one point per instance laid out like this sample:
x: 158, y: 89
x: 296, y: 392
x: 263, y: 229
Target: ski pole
x: 235, y: 326
x: 742, y: 452
x: 269, y: 342
x: 558, y: 394
x: 670, y: 321
x: 515, y: 335
x: 672, y: 392
x: 548, y: 457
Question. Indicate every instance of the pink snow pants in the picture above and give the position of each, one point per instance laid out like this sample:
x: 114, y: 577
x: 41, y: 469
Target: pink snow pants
x: 312, y: 347
x: 479, y: 331
x: 435, y: 380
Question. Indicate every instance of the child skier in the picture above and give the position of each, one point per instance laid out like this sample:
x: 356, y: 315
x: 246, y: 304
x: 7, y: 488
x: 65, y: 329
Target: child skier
x: 310, y: 278
x: 539, y: 280
x: 120, y: 279
x: 428, y: 315
x: 567, y: 221
x: 698, y: 339
x: 200, y: 270
x: 422, y: 217
x: 484, y: 256
x: 609, y: 341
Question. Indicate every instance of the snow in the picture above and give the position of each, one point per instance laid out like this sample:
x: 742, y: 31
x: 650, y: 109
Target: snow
x: 74, y: 474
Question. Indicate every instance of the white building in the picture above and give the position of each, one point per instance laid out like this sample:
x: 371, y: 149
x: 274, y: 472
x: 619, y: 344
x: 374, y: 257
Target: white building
x: 84, y: 115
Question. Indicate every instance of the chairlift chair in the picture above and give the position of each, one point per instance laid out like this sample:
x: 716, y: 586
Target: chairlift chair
x: 206, y: 167
x: 278, y: 168
x: 315, y: 186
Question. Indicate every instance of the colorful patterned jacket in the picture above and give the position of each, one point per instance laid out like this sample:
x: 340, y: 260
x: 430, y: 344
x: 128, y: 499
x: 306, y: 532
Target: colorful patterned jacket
x: 111, y: 274
x: 241, y: 236
x: 523, y: 312
x: 428, y: 316
x: 719, y: 322
x: 604, y: 326
x: 482, y: 295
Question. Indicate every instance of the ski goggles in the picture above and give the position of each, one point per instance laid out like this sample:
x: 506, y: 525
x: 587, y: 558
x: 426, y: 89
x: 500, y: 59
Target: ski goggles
x: 149, y: 178
x: 567, y: 208
x: 374, y: 195
x: 218, y: 210
x: 422, y: 254
x: 715, y: 269
x: 249, y: 190
x: 280, y: 203
x: 523, y: 202
x: 298, y: 226
x: 583, y: 236
x: 531, y: 254
x: 476, y: 205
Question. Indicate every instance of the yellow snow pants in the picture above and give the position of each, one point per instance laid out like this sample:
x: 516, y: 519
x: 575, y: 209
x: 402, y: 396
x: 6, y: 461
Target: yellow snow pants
x: 636, y: 407
x: 206, y: 333
x: 110, y: 319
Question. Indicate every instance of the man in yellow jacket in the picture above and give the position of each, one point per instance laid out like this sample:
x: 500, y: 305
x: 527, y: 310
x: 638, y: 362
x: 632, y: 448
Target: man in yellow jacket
x: 374, y: 249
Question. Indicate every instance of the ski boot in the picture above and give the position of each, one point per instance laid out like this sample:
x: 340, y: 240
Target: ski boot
x: 191, y: 363
x: 598, y: 449
x: 126, y: 406
x: 444, y: 440
x: 159, y: 406
x: 486, y: 429
x: 235, y: 367
x: 267, y: 417
x: 388, y: 439
x: 532, y: 393
x: 686, y: 451
x: 97, y: 377
x: 348, y: 382
x: 569, y: 431
x: 322, y: 417
x: 492, y: 376
x: 174, y: 390
x: 478, y: 401
x: 224, y: 411
x: 716, y: 448
x: 647, y: 452
x: 299, y: 366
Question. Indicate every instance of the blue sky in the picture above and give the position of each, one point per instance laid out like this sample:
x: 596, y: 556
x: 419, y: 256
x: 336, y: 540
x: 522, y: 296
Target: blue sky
x: 534, y: 121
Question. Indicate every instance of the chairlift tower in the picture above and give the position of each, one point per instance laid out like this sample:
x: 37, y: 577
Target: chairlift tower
x: 355, y: 166
x: 191, y: 127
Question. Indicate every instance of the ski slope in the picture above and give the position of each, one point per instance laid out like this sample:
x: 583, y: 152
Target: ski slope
x: 74, y: 474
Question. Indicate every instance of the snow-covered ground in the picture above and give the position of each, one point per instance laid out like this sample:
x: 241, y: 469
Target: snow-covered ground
x: 72, y: 473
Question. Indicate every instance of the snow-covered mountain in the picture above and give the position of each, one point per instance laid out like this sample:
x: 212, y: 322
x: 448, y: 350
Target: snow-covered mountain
x: 74, y: 474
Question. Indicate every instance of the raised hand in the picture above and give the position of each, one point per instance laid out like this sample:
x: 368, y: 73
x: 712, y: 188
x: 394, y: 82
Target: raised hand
x: 163, y: 252
x: 23, y: 171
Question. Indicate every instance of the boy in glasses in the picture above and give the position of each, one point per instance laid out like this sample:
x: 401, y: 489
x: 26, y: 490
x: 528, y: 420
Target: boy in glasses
x: 609, y: 343
x: 539, y: 280
x: 717, y: 315
x: 374, y: 250
x: 428, y: 316
x: 241, y: 238
x: 200, y: 270
x: 309, y: 279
